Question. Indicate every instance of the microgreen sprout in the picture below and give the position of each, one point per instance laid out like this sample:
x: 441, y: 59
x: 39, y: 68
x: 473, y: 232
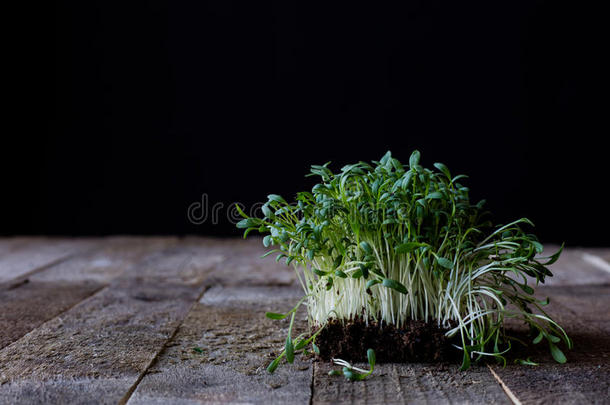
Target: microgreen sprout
x: 392, y: 243
x: 354, y: 373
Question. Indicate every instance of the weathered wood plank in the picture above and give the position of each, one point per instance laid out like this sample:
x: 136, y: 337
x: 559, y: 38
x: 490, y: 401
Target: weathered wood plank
x: 236, y: 340
x: 243, y: 265
x: 112, y: 257
x: 598, y: 258
x: 27, y: 307
x: 37, y: 253
x: 9, y: 244
x: 585, y: 378
x: 107, y: 341
x: 572, y: 269
x: 409, y: 384
x: 603, y: 253
x: 49, y: 292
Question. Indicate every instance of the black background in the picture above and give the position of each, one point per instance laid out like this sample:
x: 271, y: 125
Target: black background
x: 134, y: 110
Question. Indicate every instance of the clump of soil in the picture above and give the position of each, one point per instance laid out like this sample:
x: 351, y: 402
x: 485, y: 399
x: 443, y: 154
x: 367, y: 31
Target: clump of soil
x: 417, y: 341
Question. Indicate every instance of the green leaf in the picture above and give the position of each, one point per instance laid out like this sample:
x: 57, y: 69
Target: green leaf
x: 408, y: 247
x: 289, y: 346
x: 370, y: 355
x: 553, y: 258
x: 316, y: 349
x: 407, y: 179
x: 527, y: 362
x: 459, y: 176
x: 538, y: 338
x: 275, y: 315
x: 349, y: 374
x: 267, y: 212
x: 198, y: 350
x: 300, y: 344
x: 557, y: 354
x: 443, y: 169
x: 371, y: 283
x: 267, y: 241
x: 276, y: 198
x: 242, y: 224
x: 366, y: 248
x: 365, y: 270
x: 240, y: 211
x: 538, y: 246
x: 386, y: 158
x: 397, y: 165
x: 395, y: 285
x: 357, y: 274
x: 414, y: 159
x: 465, y: 361
x: 437, y: 195
x: 271, y: 367
x: 527, y: 289
x: 340, y: 274
x: 320, y: 272
x: 269, y: 253
x: 446, y: 263
x: 334, y: 372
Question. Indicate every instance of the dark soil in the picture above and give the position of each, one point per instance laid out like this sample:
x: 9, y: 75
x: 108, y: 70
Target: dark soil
x: 418, y: 341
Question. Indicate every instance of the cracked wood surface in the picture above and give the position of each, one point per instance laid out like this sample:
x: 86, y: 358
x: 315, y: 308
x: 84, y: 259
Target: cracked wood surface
x: 233, y: 341
x: 108, y: 340
x: 115, y: 320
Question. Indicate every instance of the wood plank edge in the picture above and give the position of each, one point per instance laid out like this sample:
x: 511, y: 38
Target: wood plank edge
x: 23, y: 278
x: 313, y: 381
x: 85, y: 298
x: 505, y: 388
x: 134, y: 386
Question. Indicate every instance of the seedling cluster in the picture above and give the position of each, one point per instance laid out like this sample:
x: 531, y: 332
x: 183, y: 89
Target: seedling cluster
x: 386, y: 243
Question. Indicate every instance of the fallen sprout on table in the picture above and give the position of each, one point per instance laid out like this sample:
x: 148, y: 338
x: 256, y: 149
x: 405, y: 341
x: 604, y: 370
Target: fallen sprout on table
x: 390, y: 243
x: 354, y: 373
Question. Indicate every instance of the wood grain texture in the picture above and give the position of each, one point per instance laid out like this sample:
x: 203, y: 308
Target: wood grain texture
x: 109, y: 339
x: 51, y: 291
x: 236, y: 341
x: 242, y: 263
x: 409, y: 384
x: 585, y: 378
x: 116, y: 319
x: 25, y: 257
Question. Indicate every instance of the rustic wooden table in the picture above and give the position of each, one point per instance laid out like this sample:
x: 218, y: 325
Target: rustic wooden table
x: 116, y: 320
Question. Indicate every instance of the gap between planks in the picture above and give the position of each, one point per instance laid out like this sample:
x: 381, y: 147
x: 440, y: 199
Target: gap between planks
x: 50, y: 292
x: 507, y: 390
x: 132, y: 389
x: 164, y: 346
x: 60, y: 251
x: 179, y: 286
